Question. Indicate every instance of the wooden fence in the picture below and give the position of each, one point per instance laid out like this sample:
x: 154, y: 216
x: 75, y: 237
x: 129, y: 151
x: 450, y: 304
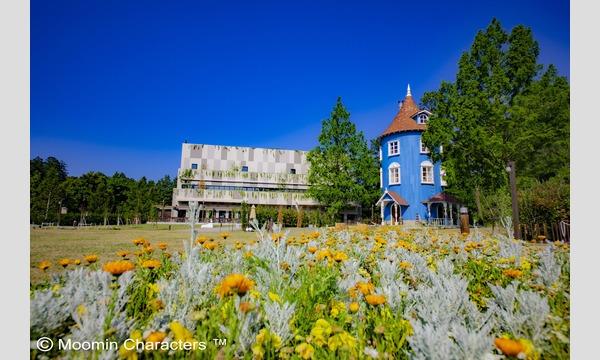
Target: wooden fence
x: 560, y: 231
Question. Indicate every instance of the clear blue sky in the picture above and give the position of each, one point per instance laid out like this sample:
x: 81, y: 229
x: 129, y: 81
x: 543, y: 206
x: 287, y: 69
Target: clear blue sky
x: 119, y: 85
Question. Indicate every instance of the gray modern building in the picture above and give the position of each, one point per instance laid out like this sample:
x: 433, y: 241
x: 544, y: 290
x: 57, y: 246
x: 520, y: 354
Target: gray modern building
x: 221, y: 177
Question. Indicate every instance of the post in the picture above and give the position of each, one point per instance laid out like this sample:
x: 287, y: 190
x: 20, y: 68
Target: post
x: 513, y: 193
x: 464, y: 220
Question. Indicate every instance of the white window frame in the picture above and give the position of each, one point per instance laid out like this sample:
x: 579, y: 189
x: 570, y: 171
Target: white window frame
x: 426, y: 165
x: 380, y: 154
x: 421, y: 118
x: 390, y: 152
x: 381, y: 178
x: 422, y: 148
x: 394, y: 166
x: 442, y: 175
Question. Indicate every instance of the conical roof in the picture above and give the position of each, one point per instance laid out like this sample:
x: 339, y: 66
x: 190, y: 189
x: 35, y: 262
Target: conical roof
x: 403, y: 120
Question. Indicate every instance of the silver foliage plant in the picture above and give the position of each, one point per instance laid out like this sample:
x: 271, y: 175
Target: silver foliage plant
x: 48, y: 312
x: 523, y: 313
x: 549, y: 268
x: 190, y: 286
x: 446, y: 324
x: 278, y: 317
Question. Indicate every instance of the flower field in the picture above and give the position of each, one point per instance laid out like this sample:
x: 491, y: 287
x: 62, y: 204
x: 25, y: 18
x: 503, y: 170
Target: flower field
x: 356, y: 293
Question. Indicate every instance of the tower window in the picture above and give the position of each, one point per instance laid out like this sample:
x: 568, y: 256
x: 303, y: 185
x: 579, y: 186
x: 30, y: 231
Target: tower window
x: 426, y: 172
x: 393, y: 148
x: 422, y: 118
x: 292, y: 171
x: 424, y: 149
x: 194, y: 166
x: 244, y: 168
x: 394, y: 172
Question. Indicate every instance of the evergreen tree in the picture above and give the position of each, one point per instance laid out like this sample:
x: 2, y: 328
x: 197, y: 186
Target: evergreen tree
x: 343, y: 171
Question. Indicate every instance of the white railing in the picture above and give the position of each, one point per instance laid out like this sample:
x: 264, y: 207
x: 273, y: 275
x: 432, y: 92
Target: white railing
x: 441, y: 222
x: 240, y: 176
x: 237, y: 196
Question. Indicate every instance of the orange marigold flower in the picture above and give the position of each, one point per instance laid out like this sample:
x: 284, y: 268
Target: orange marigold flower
x: 246, y: 306
x: 211, y: 245
x: 375, y: 299
x: 139, y: 241
x: 509, y: 347
x: 122, y: 253
x: 162, y: 246
x: 148, y: 249
x: 44, y: 265
x: 312, y: 249
x: 151, y: 264
x: 235, y: 284
x: 156, y: 337
x: 118, y: 267
x: 513, y: 273
x: 365, y: 288
x: 64, y: 262
x: 91, y: 258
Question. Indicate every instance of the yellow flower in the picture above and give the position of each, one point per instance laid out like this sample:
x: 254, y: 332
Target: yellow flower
x: 81, y: 310
x: 118, y: 267
x: 91, y: 258
x: 235, y: 283
x: 162, y: 246
x: 305, y: 351
x: 122, y: 253
x: 180, y: 333
x: 239, y: 245
x: 341, y: 340
x: 156, y: 304
x: 263, y: 339
x: 248, y: 254
x: 76, y: 262
x: 322, y: 254
x: 201, y: 239
x: 321, y: 331
x: 126, y: 352
x: 525, y: 265
x: 151, y: 264
x: 312, y: 249
x: 156, y: 337
x: 225, y: 235
x: 340, y: 256
x: 44, y: 265
x: 64, y: 262
x: 274, y: 297
x: 405, y: 265
x: 139, y: 241
x: 337, y: 308
x: 375, y: 300
x: 354, y: 306
x: 276, y: 236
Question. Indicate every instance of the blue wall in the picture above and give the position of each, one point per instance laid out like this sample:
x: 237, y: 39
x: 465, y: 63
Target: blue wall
x: 410, y: 187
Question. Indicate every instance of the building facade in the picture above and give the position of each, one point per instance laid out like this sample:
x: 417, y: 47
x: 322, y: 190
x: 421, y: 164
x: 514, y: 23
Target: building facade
x: 412, y: 185
x: 220, y: 178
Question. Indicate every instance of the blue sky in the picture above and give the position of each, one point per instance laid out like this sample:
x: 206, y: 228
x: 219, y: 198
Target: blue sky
x: 119, y: 85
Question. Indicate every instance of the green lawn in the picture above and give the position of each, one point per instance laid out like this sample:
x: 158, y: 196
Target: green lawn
x: 53, y: 244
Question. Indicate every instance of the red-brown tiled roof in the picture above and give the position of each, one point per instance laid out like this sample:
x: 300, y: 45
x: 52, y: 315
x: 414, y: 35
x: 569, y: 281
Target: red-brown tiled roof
x: 403, y: 120
x: 397, y: 198
x: 442, y: 197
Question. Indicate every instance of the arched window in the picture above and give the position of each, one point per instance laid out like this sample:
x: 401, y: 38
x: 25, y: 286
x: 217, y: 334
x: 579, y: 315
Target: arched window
x: 422, y: 118
x: 426, y: 172
x: 394, y: 173
x: 423, y: 148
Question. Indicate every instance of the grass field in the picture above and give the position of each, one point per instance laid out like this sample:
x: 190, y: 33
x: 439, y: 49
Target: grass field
x: 53, y: 244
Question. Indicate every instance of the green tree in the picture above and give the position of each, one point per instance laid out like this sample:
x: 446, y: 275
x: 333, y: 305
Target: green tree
x: 342, y: 168
x: 498, y: 109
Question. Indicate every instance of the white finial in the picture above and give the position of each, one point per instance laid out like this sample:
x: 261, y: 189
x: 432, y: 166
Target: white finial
x: 408, y: 90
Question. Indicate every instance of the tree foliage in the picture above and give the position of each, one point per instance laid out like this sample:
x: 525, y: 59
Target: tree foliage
x: 93, y: 196
x: 502, y: 106
x: 342, y: 169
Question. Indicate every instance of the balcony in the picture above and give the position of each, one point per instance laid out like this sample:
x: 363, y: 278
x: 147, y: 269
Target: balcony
x: 238, y: 196
x: 239, y: 176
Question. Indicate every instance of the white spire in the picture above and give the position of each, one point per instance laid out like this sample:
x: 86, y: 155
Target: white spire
x: 408, y: 90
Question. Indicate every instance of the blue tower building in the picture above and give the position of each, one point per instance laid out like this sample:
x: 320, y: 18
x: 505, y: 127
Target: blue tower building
x: 411, y: 184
